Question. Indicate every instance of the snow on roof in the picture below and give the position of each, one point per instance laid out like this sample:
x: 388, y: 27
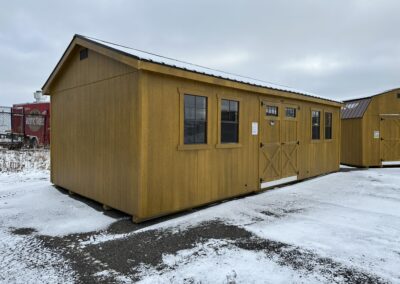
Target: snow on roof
x: 155, y: 58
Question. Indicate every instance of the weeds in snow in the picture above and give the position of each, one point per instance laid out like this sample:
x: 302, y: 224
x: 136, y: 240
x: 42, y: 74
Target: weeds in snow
x: 24, y: 160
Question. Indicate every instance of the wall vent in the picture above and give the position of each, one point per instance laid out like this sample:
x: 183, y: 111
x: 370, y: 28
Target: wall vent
x: 83, y: 54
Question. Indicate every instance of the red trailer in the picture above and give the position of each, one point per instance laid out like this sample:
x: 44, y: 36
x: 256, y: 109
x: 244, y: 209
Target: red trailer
x: 25, y: 125
x: 32, y: 121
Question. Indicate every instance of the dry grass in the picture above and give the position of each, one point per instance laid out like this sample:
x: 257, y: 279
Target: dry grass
x: 24, y: 160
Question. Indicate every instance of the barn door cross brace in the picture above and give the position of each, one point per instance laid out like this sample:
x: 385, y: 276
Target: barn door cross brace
x: 288, y: 158
x: 270, y: 162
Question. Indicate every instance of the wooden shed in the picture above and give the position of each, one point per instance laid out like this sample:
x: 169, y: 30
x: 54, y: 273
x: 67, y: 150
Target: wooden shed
x: 150, y: 135
x: 371, y: 130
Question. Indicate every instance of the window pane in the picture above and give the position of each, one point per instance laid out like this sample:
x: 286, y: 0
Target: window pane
x: 190, y: 101
x: 201, y: 114
x: 233, y: 105
x: 234, y: 109
x: 315, y: 133
x: 225, y: 105
x: 272, y: 110
x: 195, y: 119
x: 189, y: 132
x: 190, y: 113
x: 201, y: 128
x: 290, y: 112
x: 229, y: 132
x: 201, y: 102
x: 328, y: 125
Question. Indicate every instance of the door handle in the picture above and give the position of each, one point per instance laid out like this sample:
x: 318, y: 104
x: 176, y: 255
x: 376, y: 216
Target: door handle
x: 261, y: 145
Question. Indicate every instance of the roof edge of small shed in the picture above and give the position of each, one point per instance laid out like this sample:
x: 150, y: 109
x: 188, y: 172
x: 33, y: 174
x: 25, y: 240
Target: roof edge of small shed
x: 371, y: 96
x: 80, y: 40
x: 352, y: 111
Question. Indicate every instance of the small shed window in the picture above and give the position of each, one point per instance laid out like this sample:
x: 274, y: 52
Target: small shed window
x: 195, y: 122
x: 291, y: 112
x: 328, y: 125
x: 272, y: 111
x: 316, y: 125
x: 229, y: 121
x: 398, y: 95
x: 83, y: 54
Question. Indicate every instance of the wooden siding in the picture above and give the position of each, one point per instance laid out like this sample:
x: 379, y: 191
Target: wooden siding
x: 371, y: 155
x: 387, y: 103
x: 94, y: 129
x: 177, y: 178
x: 351, y: 145
x: 117, y: 136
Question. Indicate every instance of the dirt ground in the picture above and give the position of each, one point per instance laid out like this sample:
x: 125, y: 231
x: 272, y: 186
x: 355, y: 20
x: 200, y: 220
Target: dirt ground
x: 123, y: 257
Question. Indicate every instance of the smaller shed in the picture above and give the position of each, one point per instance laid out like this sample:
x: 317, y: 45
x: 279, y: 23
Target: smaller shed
x: 371, y: 130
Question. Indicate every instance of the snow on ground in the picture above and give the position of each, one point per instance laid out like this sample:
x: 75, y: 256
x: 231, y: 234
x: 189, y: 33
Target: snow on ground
x: 23, y: 259
x: 351, y: 218
x: 219, y: 262
x: 28, y: 200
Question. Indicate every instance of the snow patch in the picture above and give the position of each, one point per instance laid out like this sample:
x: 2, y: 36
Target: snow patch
x: 218, y: 261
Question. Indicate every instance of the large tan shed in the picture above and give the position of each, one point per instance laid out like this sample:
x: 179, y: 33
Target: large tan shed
x: 150, y: 135
x: 371, y: 130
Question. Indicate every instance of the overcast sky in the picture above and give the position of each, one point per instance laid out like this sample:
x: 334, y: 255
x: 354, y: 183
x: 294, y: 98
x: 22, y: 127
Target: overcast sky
x: 335, y: 49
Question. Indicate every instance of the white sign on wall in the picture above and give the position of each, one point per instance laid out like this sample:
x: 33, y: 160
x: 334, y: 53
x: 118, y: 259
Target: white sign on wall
x: 376, y: 134
x: 254, y: 128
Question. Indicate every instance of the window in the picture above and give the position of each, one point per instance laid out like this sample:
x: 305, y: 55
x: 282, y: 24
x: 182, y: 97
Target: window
x: 272, y: 111
x: 316, y: 125
x: 83, y: 54
x: 328, y: 125
x: 229, y: 121
x: 195, y: 122
x: 398, y: 96
x: 291, y: 112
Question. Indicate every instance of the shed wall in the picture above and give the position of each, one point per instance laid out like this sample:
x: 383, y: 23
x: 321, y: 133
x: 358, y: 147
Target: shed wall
x: 352, y: 142
x: 94, y: 132
x: 177, y: 178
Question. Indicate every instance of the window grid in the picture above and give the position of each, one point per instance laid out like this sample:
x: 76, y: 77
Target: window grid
x: 316, y: 125
x: 229, y: 121
x: 290, y: 112
x: 272, y: 111
x: 328, y: 125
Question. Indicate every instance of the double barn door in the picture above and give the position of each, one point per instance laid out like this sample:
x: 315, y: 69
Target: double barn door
x: 390, y: 138
x: 278, y: 160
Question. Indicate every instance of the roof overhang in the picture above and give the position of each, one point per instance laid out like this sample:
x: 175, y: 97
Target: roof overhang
x: 156, y: 67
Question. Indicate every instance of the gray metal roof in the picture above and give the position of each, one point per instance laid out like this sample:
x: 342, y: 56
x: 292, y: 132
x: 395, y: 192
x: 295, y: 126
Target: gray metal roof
x: 355, y: 108
x: 151, y: 57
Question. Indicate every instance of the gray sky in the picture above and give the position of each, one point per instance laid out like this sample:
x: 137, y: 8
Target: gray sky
x: 335, y: 49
